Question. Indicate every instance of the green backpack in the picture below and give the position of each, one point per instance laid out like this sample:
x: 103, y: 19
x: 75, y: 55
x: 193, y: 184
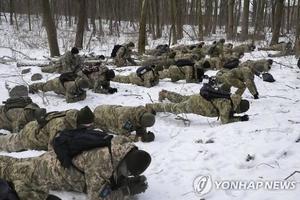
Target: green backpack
x: 17, y: 102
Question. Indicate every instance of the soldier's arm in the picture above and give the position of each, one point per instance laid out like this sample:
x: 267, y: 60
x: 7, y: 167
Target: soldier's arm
x: 251, y: 86
x: 120, y: 53
x: 226, y: 112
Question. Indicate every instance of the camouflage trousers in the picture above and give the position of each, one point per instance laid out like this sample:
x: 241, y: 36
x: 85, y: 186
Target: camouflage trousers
x: 51, y: 85
x: 52, y: 68
x: 178, y: 103
x: 26, y: 139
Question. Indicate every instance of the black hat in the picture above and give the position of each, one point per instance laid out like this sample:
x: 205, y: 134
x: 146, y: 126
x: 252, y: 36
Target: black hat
x: 137, y: 161
x: 101, y: 57
x: 85, y: 116
x: 110, y: 74
x: 243, y: 107
x: 270, y: 61
x: 131, y: 44
x: 206, y: 64
x: 74, y: 50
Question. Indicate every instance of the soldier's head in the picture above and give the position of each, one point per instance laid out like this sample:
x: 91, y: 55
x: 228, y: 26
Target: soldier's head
x: 230, y: 45
x: 39, y: 115
x: 147, y: 119
x: 101, y: 57
x: 206, y: 64
x: 172, y: 54
x: 252, y: 47
x: 241, y: 55
x: 201, y: 44
x: 134, y: 163
x: 270, y: 61
x: 74, y: 51
x: 130, y: 45
x: 85, y: 117
x: 7, y: 191
x: 110, y: 74
x: 82, y: 83
x: 222, y: 40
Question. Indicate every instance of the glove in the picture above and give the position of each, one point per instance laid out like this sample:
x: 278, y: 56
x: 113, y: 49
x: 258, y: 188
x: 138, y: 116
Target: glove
x: 52, y: 197
x: 256, y: 96
x: 112, y: 90
x: 148, y: 137
x: 244, y: 118
x: 137, y: 185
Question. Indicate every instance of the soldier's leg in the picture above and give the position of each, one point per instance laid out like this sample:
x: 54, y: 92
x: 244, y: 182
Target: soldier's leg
x: 172, y: 96
x: 120, y: 62
x: 122, y: 79
x: 12, y: 142
x: 51, y: 68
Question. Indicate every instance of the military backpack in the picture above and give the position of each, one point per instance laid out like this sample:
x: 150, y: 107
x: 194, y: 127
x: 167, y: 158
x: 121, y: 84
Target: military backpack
x: 115, y: 50
x: 209, y: 93
x: 70, y: 143
x: 17, y: 102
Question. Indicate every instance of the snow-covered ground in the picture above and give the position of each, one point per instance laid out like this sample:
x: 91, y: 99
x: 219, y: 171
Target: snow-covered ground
x: 180, y: 153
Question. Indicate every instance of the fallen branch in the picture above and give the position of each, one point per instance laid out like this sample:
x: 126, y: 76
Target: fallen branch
x: 293, y: 122
x: 279, y: 97
x: 150, y: 98
x: 281, y: 64
x: 23, y: 54
x: 295, y: 172
x: 186, y: 121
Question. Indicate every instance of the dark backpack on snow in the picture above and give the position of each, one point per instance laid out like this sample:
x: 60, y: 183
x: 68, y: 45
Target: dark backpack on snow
x: 68, y: 76
x: 184, y: 62
x: 70, y: 143
x: 209, y: 93
x: 17, y: 102
x: 142, y: 70
x: 232, y: 64
x: 268, y: 77
x: 115, y: 50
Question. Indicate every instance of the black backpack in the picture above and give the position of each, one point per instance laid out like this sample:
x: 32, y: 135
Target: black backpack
x: 184, y: 62
x: 7, y: 191
x: 115, y: 50
x: 234, y: 63
x: 209, y: 93
x: 68, y: 76
x: 268, y: 77
x: 142, y: 70
x: 70, y: 143
x: 17, y: 102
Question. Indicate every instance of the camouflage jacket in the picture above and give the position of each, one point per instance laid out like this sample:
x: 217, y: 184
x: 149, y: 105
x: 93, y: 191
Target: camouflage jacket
x: 70, y: 62
x: 122, y: 120
x: 15, y: 119
x: 97, y: 79
x: 33, y: 178
x: 148, y: 79
x: 196, y: 104
x: 258, y: 66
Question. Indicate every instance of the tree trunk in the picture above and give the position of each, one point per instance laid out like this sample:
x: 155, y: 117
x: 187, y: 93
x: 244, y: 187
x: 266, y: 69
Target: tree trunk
x: 29, y: 13
x: 158, y: 25
x: 215, y: 21
x: 173, y: 19
x: 142, y: 32
x: 245, y: 22
x: 200, y: 20
x: 50, y: 28
x: 297, y: 43
x: 208, y: 14
x: 277, y: 21
x: 230, y: 19
x: 81, y: 23
x: 11, y: 12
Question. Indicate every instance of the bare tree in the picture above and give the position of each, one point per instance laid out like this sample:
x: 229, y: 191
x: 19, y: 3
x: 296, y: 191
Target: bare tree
x: 142, y: 32
x: 245, y: 22
x: 277, y: 21
x: 81, y: 23
x: 50, y: 28
x: 230, y: 19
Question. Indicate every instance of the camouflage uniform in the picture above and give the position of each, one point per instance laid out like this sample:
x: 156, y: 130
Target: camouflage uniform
x: 276, y: 47
x: 218, y: 50
x: 161, y: 61
x: 15, y: 119
x: 216, y: 63
x: 121, y: 120
x: 36, y: 136
x: 196, y: 104
x: 227, y: 49
x: 96, y: 78
x: 149, y: 79
x: 67, y: 63
x: 287, y: 50
x: 123, y: 56
x: 188, y: 73
x: 70, y: 89
x: 258, y: 66
x: 243, y: 48
x: 241, y: 78
x: 33, y: 178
